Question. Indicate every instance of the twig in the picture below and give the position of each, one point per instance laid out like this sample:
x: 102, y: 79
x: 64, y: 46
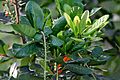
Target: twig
x: 16, y: 11
x: 16, y: 5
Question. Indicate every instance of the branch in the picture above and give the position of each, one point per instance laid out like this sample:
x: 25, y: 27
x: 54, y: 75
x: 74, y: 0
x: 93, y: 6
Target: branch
x: 16, y: 11
x: 16, y: 5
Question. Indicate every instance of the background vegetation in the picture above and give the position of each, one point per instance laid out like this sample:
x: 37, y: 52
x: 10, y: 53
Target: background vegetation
x: 21, y: 52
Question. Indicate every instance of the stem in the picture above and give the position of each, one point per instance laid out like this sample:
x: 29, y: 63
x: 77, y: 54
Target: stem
x: 87, y: 67
x: 57, y: 74
x: 45, y: 54
x: 16, y: 11
x: 16, y: 6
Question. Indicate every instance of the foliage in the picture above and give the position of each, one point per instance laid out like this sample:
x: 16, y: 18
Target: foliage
x: 60, y: 48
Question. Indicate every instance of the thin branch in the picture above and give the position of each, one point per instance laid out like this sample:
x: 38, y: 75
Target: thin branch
x: 16, y: 5
x: 16, y: 11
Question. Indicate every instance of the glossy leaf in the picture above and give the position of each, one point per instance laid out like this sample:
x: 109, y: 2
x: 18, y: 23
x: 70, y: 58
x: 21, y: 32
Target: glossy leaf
x: 27, y: 50
x: 56, y: 41
x: 69, y: 21
x: 80, y: 61
x: 78, y: 69
x: 96, y: 52
x: 47, y: 31
x: 24, y: 20
x: 37, y: 37
x: 67, y: 8
x: 34, y: 14
x: 77, y: 39
x: 83, y: 21
x: 95, y: 63
x: 59, y: 25
x: 24, y: 29
x: 74, y: 3
x: 94, y: 10
x: 78, y: 46
x: 68, y: 45
x: 98, y: 24
x: 76, y: 11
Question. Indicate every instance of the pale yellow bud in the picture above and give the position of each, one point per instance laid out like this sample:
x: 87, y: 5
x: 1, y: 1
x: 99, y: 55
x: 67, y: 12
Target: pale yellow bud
x: 76, y: 20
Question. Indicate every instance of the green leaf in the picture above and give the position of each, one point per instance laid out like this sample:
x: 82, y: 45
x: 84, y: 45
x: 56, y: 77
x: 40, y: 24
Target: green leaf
x: 95, y: 63
x: 28, y: 49
x: 87, y: 77
x: 42, y: 62
x: 79, y: 60
x: 58, y: 6
x: 71, y: 24
x: 24, y: 29
x: 101, y: 22
x: 56, y: 41
x: 78, y: 69
x: 76, y: 11
x: 47, y: 30
x: 37, y: 37
x: 68, y: 45
x: 67, y: 8
x: 69, y: 21
x: 77, y: 39
x: 2, y: 47
x: 74, y: 3
x: 96, y: 52
x: 59, y: 25
x: 78, y: 46
x: 37, y: 69
x: 4, y: 66
x: 47, y: 19
x: 103, y: 25
x: 25, y: 61
x: 83, y: 21
x: 94, y: 10
x: 24, y: 20
x: 34, y: 14
x: 76, y: 23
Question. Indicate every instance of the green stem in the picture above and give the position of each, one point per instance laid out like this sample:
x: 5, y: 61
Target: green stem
x: 45, y: 50
x: 57, y: 75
